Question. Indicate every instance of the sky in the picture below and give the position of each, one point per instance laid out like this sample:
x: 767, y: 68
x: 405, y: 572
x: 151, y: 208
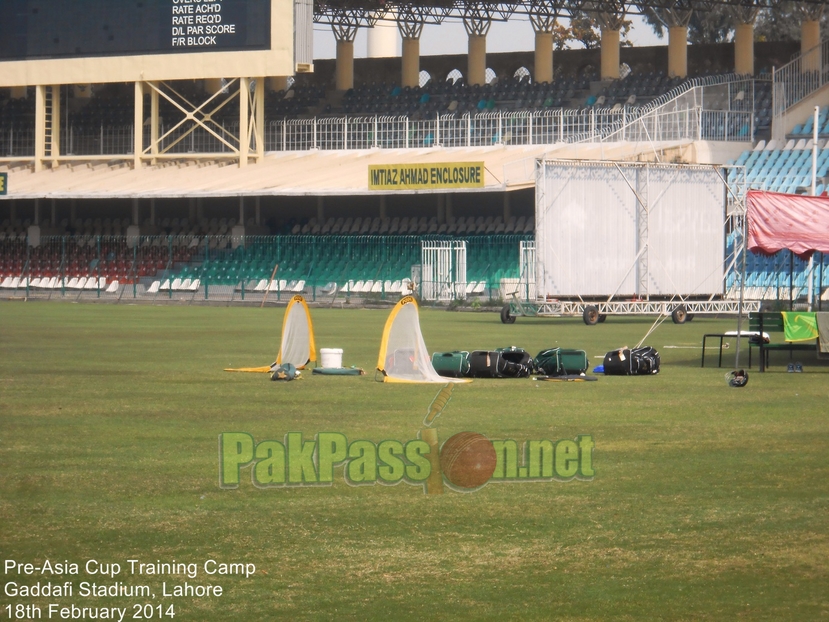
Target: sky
x: 515, y: 35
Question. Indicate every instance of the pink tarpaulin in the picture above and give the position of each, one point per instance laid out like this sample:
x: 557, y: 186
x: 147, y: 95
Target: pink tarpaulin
x: 779, y: 221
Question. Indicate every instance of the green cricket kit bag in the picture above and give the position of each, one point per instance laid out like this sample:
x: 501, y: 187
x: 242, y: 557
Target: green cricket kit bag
x: 451, y: 364
x: 561, y: 362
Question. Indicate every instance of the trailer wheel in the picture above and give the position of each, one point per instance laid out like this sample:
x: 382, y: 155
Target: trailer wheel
x: 679, y: 315
x: 602, y: 317
x: 590, y: 315
x: 506, y: 317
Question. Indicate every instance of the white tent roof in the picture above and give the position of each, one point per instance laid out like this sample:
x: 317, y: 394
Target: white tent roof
x: 297, y: 173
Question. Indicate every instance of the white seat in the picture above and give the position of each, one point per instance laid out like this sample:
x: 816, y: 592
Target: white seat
x: 299, y: 286
x: 347, y: 287
x: 377, y: 287
x: 479, y: 288
x: 273, y: 286
x: 194, y: 285
x: 165, y: 286
x: 15, y: 282
x: 94, y: 283
x: 356, y: 287
x: 35, y: 282
x: 6, y: 282
x: 113, y: 287
x: 183, y: 285
x: 154, y: 287
x: 261, y: 286
x: 367, y: 285
x: 175, y: 285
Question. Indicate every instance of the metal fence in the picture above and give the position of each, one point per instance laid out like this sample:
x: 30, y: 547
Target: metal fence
x: 713, y: 108
x: 193, y: 268
x: 795, y: 81
x: 721, y: 111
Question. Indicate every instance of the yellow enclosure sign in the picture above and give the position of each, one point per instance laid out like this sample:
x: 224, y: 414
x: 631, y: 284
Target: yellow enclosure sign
x: 432, y: 176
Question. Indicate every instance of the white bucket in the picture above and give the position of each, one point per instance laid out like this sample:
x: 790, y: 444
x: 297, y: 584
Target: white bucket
x: 331, y: 357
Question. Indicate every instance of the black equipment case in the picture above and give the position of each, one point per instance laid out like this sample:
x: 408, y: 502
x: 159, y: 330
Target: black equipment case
x: 626, y: 362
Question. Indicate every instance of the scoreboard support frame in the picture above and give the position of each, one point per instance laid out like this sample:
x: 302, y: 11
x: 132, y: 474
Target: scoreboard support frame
x: 243, y: 147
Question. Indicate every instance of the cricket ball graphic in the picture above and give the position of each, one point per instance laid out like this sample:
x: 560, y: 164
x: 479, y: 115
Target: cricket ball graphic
x: 467, y: 460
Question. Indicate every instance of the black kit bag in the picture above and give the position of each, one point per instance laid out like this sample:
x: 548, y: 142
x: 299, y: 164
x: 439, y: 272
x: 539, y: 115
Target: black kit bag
x: 484, y: 364
x: 514, y: 363
x: 619, y: 363
x: 647, y: 359
x: 626, y: 362
x: 451, y: 364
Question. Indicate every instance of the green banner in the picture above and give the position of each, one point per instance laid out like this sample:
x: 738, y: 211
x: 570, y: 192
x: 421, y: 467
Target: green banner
x: 799, y: 326
x: 4, y: 183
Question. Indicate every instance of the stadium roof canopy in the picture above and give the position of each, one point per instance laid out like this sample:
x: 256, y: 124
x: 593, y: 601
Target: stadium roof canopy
x: 367, y: 12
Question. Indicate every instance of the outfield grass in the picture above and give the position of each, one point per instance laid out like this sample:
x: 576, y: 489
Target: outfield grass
x: 708, y: 502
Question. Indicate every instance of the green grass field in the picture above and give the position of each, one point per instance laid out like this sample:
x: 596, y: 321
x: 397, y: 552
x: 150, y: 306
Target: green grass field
x: 708, y: 502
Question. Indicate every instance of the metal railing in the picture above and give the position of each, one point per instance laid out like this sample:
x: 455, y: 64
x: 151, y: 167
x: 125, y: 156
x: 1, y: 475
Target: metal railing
x: 194, y: 267
x: 714, y: 109
x: 795, y: 81
x: 707, y: 108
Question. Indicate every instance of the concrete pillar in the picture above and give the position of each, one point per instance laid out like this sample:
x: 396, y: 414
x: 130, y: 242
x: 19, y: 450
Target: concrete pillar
x: 678, y: 51
x: 345, y: 65
x: 744, y: 49
x: 610, y: 54
x: 154, y: 123
x: 55, y: 118
x: 40, y: 126
x: 410, y: 75
x: 82, y: 91
x: 543, y: 57
x: 477, y: 60
x: 212, y: 85
x: 381, y: 39
x: 244, y: 137
x: 138, y: 124
x: 809, y: 40
x: 278, y: 83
